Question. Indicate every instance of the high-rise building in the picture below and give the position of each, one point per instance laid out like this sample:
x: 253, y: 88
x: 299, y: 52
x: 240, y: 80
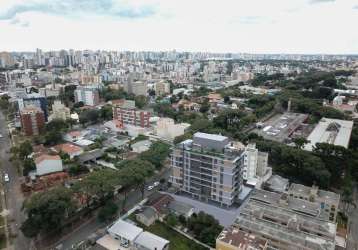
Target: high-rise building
x: 136, y: 88
x: 208, y: 167
x: 88, y: 95
x: 255, y: 169
x: 34, y: 100
x: 162, y: 88
x: 127, y: 114
x: 6, y: 59
x: 59, y: 111
x: 32, y: 120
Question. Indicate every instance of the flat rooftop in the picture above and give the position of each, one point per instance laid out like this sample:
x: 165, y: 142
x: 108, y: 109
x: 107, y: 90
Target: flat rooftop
x: 327, y: 196
x: 293, y: 223
x: 332, y: 131
x: 213, y: 137
x: 125, y: 230
x: 280, y: 127
x: 241, y: 239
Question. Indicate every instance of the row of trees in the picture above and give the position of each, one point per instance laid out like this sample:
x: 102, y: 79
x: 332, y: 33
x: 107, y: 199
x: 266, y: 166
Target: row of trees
x: 49, y: 211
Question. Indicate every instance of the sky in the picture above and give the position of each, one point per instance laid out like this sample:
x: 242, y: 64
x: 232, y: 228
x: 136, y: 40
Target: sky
x: 244, y: 26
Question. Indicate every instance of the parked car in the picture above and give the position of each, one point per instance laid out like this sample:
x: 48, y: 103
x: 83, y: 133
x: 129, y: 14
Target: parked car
x: 6, y: 178
x: 155, y: 184
x: 150, y: 188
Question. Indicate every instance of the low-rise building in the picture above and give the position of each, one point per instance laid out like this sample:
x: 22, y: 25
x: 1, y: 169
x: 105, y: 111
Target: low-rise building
x: 149, y: 241
x: 285, y: 222
x: 124, y: 235
x: 232, y: 238
x: 327, y: 200
x: 48, y: 164
x: 68, y: 148
x: 147, y: 216
x: 332, y: 131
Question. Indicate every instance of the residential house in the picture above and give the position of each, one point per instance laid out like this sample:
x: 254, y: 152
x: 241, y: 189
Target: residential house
x: 68, y: 148
x: 147, y: 216
x: 48, y: 164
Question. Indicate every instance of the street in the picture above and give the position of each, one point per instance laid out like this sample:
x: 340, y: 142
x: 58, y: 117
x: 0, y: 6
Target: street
x: 352, y: 241
x: 13, y: 194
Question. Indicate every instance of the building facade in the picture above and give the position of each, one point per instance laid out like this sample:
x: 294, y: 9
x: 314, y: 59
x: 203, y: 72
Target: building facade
x: 32, y: 120
x: 162, y: 88
x: 59, y: 111
x: 208, y: 167
x: 89, y: 96
x: 127, y: 114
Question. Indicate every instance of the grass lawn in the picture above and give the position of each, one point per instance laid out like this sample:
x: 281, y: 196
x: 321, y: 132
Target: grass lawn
x: 177, y: 241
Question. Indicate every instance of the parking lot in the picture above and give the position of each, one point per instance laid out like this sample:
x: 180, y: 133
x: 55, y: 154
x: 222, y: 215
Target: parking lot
x: 280, y: 127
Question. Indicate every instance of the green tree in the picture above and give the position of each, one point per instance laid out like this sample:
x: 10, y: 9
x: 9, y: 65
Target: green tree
x: 157, y: 154
x: 47, y: 211
x: 171, y: 220
x: 28, y: 166
x: 98, y: 185
x: 140, y: 101
x: 106, y: 113
x: 300, y: 142
x: 107, y: 212
x: 204, y: 227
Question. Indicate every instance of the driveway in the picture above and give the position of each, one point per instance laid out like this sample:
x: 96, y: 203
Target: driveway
x: 225, y: 216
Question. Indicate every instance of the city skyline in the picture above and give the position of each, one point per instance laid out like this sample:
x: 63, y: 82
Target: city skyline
x: 297, y: 27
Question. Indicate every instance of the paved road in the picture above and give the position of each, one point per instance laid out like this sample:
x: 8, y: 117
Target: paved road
x: 91, y: 227
x: 352, y: 242
x: 14, y: 197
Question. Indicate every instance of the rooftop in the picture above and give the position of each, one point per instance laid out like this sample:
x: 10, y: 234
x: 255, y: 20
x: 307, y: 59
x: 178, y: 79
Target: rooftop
x: 210, y: 136
x: 332, y: 131
x: 243, y: 240
x: 328, y: 196
x: 277, y: 183
x: 151, y: 241
x: 125, y: 230
x: 67, y: 148
x: 44, y: 157
x: 286, y: 220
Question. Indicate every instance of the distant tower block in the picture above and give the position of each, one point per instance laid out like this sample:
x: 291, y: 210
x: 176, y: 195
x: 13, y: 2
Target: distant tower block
x: 289, y: 105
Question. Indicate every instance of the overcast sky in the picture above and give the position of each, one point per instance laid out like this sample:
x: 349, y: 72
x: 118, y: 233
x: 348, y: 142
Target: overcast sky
x: 253, y: 26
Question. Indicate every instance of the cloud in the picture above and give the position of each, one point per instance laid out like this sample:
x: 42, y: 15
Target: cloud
x: 250, y: 19
x: 321, y: 1
x: 80, y: 8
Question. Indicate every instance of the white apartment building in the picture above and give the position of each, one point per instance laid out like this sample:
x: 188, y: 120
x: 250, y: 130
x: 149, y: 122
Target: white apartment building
x: 59, y: 111
x: 209, y: 168
x: 167, y: 129
x: 88, y: 95
x: 255, y: 168
x: 136, y: 88
x: 162, y: 88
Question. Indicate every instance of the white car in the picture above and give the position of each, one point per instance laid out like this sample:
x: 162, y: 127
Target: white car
x: 150, y: 188
x: 155, y: 184
x: 1, y: 136
x: 6, y: 178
